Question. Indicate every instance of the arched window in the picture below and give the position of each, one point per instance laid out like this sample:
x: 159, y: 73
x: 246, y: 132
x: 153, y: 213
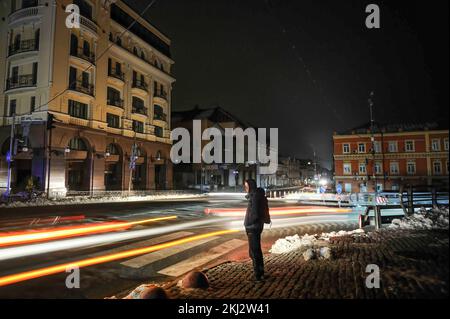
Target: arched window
x: 135, y: 51
x: 113, y: 149
x: 77, y: 144
x: 119, y: 41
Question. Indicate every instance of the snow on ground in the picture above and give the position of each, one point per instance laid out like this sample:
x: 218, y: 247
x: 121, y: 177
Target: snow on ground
x: 291, y: 243
x: 423, y: 219
x: 95, y: 200
x: 315, y: 246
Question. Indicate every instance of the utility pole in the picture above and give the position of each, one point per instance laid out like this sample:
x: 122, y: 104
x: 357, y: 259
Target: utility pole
x: 372, y: 138
x: 10, y: 159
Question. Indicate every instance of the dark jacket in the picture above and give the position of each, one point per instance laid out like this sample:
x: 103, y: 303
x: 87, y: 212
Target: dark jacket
x: 254, y: 218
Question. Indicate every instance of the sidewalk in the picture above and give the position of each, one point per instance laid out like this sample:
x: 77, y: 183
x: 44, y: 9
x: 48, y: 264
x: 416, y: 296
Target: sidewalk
x: 413, y: 264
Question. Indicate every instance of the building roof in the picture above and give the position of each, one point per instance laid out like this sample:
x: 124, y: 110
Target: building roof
x: 396, y: 127
x: 213, y: 114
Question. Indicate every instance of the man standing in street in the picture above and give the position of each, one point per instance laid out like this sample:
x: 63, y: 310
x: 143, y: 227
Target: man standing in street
x: 257, y: 214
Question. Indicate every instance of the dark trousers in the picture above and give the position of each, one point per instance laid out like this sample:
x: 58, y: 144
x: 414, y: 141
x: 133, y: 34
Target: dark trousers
x: 254, y: 250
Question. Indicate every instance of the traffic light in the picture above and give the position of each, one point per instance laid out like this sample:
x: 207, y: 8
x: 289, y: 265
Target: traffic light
x: 50, y: 121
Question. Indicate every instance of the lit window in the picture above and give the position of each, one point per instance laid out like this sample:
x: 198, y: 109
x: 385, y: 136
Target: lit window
x: 394, y: 168
x: 437, y: 167
x: 346, y: 148
x: 362, y: 168
x: 347, y: 168
x: 393, y: 147
x: 361, y: 148
x: 409, y: 146
x: 436, y: 145
x: 377, y: 147
x: 411, y: 168
x: 378, y: 168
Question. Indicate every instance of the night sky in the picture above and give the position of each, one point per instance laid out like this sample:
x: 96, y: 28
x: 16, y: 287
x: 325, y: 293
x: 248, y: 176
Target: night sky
x: 307, y: 67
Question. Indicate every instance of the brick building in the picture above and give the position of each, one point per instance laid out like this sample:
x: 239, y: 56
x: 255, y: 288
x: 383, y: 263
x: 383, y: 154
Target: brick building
x: 399, y: 155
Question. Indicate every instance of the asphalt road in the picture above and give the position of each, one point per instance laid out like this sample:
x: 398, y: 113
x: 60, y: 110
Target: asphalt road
x: 185, y: 219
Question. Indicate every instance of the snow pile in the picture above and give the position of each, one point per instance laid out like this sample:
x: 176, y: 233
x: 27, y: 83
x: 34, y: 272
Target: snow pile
x: 356, y: 232
x: 314, y: 246
x: 290, y: 243
x: 423, y: 219
x: 317, y: 253
x: 314, y: 243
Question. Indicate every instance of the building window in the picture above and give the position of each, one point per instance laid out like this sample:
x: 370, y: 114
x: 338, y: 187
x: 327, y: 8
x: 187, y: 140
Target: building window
x: 346, y: 148
x: 378, y: 168
x: 113, y: 120
x: 362, y: 168
x: 437, y: 167
x: 159, y: 113
x: 12, y: 107
x: 138, y: 126
x: 435, y: 145
x: 77, y: 144
x: 446, y: 144
x: 347, y: 168
x: 348, y: 187
x: 409, y: 146
x: 361, y: 148
x: 394, y: 168
x: 393, y: 147
x: 32, y: 104
x: 411, y: 168
x: 377, y: 147
x: 113, y: 97
x: 78, y: 109
x: 159, y: 132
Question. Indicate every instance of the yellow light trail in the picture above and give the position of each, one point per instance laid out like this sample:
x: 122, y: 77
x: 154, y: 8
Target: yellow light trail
x: 15, y: 278
x: 59, y: 233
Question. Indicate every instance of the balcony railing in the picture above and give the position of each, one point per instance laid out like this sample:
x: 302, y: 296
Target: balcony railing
x: 23, y: 46
x: 83, y: 54
x: 160, y: 94
x: 160, y: 117
x: 21, y: 81
x: 79, y: 86
x: 115, y: 102
x: 91, y: 25
x: 139, y: 110
x: 140, y: 85
x: 115, y: 73
x: 23, y: 13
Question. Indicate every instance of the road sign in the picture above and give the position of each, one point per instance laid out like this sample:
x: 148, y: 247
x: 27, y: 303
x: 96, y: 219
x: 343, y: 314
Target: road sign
x: 339, y: 189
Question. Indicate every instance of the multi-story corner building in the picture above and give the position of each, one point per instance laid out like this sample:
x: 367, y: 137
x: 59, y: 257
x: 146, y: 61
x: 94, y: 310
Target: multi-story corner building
x: 107, y: 87
x: 399, y: 155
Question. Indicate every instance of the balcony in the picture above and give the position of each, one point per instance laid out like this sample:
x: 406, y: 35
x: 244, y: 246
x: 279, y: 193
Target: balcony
x: 24, y: 13
x: 21, y: 81
x: 115, y: 73
x: 140, y: 85
x: 81, y: 87
x: 115, y: 102
x: 139, y: 110
x: 160, y: 94
x: 160, y: 117
x: 89, y: 24
x: 83, y: 54
x: 23, y: 46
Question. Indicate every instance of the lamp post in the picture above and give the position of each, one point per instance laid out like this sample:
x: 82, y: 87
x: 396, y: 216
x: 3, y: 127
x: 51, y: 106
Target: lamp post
x: 10, y: 153
x: 372, y: 138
